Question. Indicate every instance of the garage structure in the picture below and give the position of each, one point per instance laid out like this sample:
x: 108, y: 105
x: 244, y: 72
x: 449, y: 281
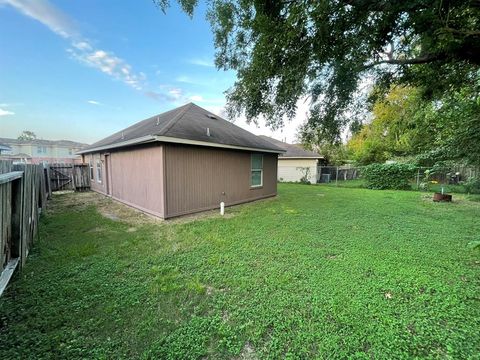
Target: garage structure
x: 183, y: 161
x: 296, y: 163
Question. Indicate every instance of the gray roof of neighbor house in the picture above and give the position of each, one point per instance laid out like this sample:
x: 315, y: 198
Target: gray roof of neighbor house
x: 65, y: 143
x: 188, y: 124
x: 293, y: 150
x: 17, y: 156
x: 4, y: 147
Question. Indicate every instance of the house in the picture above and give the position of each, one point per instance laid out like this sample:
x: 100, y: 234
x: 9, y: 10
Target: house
x: 37, y: 151
x: 296, y: 164
x: 4, y: 148
x: 183, y: 161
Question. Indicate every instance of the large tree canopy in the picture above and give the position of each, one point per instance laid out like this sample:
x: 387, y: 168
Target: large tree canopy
x: 323, y: 50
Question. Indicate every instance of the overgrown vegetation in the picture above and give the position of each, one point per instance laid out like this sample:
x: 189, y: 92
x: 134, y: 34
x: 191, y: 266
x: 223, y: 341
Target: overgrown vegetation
x: 388, y: 176
x: 425, y: 132
x: 317, y: 272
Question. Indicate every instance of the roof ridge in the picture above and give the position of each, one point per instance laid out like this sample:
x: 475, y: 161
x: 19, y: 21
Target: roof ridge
x: 174, y: 120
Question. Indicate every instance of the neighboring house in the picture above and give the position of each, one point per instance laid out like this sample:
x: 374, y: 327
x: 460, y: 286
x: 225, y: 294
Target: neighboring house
x: 183, y: 161
x: 4, y: 148
x: 296, y: 163
x: 38, y: 151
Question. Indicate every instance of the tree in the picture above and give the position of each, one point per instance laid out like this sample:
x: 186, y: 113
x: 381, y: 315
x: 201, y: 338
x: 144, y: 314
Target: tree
x: 405, y: 124
x: 457, y: 127
x: 395, y: 129
x: 327, y: 50
x: 27, y: 135
x: 334, y: 154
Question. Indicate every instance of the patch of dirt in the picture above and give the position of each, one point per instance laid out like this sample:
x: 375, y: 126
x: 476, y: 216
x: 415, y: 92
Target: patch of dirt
x: 209, y: 290
x: 225, y: 316
x: 117, y: 211
x: 248, y: 353
x: 106, y: 206
x: 204, y: 215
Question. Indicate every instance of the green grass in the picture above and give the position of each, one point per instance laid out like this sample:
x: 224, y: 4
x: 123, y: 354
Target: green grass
x: 360, y: 183
x: 318, y: 272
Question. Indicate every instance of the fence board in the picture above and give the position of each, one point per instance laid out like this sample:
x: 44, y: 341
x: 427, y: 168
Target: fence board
x: 69, y: 177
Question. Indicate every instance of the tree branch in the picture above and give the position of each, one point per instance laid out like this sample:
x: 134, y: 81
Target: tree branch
x: 419, y: 60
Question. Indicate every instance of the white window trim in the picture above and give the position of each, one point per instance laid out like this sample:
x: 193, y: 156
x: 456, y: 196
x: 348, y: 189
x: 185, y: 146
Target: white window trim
x: 91, y: 170
x: 99, y: 171
x: 252, y: 170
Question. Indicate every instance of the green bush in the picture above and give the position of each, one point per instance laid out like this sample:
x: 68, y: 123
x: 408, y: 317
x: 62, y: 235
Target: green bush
x: 388, y: 176
x: 472, y: 185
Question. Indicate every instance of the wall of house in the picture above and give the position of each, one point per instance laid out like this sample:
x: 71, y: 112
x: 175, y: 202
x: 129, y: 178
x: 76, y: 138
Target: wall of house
x: 293, y: 170
x: 133, y: 176
x: 137, y: 178
x: 199, y: 178
x: 96, y: 183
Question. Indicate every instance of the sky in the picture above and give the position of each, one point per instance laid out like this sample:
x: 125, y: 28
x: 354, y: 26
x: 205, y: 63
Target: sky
x: 82, y: 70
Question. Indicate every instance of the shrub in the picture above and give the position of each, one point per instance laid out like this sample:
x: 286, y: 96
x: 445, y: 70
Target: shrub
x: 388, y: 176
x: 472, y: 185
x: 305, y: 179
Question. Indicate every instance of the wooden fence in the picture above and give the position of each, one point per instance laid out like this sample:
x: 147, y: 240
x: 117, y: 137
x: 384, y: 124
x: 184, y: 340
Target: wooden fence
x: 69, y: 177
x: 23, y: 195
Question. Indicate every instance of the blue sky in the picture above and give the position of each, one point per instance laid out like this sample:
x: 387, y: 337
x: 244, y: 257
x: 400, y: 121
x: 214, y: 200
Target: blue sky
x: 80, y: 70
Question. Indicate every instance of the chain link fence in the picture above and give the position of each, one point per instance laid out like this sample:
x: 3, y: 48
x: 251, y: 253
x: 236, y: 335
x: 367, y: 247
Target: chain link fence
x: 348, y: 175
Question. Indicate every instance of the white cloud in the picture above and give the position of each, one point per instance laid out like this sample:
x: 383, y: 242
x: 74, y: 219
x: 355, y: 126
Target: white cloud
x: 198, y: 98
x: 186, y: 79
x: 81, y: 49
x: 93, y: 102
x: 6, y: 112
x: 201, y: 62
x: 176, y: 93
x: 47, y: 14
x: 108, y: 63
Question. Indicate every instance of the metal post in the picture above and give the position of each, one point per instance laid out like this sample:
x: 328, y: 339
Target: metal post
x: 336, y: 178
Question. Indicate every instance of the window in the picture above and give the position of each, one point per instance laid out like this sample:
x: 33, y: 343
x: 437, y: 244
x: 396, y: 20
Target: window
x: 99, y: 171
x: 256, y: 167
x: 70, y: 151
x: 41, y: 149
x: 91, y: 170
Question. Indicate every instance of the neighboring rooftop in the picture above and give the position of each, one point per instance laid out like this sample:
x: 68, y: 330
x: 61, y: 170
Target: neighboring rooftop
x: 293, y: 150
x: 16, y: 156
x: 188, y: 124
x: 66, y: 143
x: 4, y: 147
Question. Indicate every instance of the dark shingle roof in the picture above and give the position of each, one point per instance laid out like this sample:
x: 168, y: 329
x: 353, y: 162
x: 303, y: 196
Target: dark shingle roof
x: 292, y: 150
x: 189, y: 122
x: 69, y: 143
x: 5, y: 147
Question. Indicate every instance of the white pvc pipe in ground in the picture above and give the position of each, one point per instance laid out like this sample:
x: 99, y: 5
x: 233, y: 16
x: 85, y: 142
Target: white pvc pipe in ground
x: 222, y: 208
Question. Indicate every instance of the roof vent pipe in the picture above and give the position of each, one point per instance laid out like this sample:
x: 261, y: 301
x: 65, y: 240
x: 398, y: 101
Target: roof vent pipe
x: 158, y: 121
x: 208, y: 131
x: 123, y: 136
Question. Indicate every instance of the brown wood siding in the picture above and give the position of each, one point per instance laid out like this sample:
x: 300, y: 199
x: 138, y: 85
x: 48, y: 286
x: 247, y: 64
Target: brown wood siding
x: 135, y: 177
x: 94, y: 184
x: 199, y: 178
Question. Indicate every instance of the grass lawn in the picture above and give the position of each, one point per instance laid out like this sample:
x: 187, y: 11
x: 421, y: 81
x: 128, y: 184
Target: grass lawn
x: 447, y: 188
x: 318, y: 272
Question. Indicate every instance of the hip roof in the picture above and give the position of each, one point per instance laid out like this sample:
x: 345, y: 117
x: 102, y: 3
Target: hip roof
x: 188, y: 124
